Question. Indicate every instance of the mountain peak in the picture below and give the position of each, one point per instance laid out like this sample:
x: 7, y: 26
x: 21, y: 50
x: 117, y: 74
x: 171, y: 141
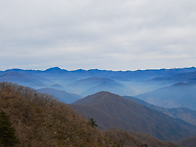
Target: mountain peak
x: 104, y: 93
x: 53, y: 69
x: 180, y: 84
x: 98, y: 97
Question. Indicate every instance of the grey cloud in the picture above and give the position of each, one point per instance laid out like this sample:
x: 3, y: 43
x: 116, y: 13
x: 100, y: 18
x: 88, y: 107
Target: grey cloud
x: 86, y: 34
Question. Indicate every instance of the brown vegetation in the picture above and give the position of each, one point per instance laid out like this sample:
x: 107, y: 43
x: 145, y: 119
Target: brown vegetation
x: 40, y: 120
x: 134, y: 139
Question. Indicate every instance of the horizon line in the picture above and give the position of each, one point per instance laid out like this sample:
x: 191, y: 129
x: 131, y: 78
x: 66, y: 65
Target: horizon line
x: 58, y: 68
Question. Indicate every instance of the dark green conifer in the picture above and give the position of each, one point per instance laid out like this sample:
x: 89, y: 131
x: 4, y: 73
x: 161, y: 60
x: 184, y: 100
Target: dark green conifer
x: 7, y: 132
x: 92, y: 122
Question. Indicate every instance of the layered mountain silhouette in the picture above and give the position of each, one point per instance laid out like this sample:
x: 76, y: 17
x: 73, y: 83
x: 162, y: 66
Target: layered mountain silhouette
x: 95, y: 84
x: 119, y: 82
x: 177, y: 95
x: 181, y: 77
x: 111, y: 110
x: 119, y: 75
x: 62, y: 95
x: 183, y: 113
x: 57, y: 86
x: 23, y: 79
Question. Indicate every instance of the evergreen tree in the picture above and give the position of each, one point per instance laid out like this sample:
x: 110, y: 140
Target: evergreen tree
x: 92, y: 122
x: 7, y: 133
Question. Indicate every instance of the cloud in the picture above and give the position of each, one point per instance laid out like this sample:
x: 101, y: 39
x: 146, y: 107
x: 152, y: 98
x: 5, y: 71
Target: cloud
x: 97, y: 34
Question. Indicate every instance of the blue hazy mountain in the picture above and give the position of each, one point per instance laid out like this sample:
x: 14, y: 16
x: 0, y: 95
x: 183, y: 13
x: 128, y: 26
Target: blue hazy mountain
x: 61, y: 95
x: 56, y: 86
x: 23, y: 79
x: 177, y: 95
x: 57, y: 72
x: 137, y: 75
x: 95, y: 84
x: 182, y: 77
x: 110, y: 86
x: 119, y: 82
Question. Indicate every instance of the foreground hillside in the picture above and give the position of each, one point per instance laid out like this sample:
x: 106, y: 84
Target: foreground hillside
x: 40, y: 120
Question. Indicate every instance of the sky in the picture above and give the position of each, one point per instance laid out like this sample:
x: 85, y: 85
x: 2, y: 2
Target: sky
x: 89, y: 34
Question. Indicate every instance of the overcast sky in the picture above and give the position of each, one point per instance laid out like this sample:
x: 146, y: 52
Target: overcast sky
x: 104, y: 34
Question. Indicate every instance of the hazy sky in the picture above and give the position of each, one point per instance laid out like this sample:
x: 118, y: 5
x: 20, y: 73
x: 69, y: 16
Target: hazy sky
x: 103, y: 34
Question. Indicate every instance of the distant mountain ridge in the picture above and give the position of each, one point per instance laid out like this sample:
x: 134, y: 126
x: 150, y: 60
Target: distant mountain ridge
x: 119, y: 75
x: 119, y: 82
x: 177, y: 95
x: 22, y: 79
x: 183, y: 77
x: 95, y: 84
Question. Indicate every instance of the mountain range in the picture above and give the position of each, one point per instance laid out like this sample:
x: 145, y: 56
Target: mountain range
x: 85, y: 82
x: 183, y: 77
x: 95, y: 84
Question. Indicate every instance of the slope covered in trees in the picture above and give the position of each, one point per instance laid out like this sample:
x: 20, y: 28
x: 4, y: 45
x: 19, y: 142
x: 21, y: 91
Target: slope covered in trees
x: 40, y: 120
